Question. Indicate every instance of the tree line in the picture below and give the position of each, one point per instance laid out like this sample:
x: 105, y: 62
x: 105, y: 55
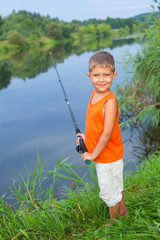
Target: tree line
x: 25, y: 27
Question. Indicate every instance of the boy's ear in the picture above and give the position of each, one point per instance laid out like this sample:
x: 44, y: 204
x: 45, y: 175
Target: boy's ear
x: 114, y: 75
x: 89, y: 75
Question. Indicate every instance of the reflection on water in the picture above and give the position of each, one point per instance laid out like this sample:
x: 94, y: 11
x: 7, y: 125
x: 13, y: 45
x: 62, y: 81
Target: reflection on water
x: 28, y: 64
x: 148, y: 140
x: 34, y: 114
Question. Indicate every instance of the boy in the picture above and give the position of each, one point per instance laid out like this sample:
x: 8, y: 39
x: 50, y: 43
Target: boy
x: 102, y: 134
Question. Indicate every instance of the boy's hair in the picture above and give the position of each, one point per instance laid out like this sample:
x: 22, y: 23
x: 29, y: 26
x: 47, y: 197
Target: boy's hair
x: 101, y: 58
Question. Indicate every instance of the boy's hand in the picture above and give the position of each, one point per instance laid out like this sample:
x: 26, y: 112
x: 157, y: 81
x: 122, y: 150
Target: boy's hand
x: 87, y: 156
x: 80, y: 135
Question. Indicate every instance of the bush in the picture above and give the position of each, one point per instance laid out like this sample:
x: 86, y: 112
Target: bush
x: 14, y: 37
x: 140, y: 99
x: 54, y: 31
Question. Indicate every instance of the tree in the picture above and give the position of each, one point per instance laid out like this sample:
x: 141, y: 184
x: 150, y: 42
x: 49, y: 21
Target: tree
x: 66, y: 30
x: 14, y: 37
x: 35, y: 35
x: 103, y: 30
x: 54, y: 30
x: 90, y: 29
x: 1, y: 23
x: 127, y: 30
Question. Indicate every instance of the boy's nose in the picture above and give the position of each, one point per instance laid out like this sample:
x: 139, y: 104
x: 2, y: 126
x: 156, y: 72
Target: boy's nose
x: 101, y: 78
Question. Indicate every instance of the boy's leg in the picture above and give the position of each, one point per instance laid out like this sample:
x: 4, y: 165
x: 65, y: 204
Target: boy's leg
x: 123, y: 210
x: 114, y: 213
x: 111, y: 184
x: 118, y: 210
x: 110, y: 179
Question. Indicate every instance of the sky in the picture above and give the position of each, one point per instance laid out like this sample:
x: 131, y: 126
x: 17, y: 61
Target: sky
x: 68, y: 10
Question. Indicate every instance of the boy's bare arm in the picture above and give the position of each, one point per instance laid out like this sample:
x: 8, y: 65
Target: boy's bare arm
x: 110, y: 112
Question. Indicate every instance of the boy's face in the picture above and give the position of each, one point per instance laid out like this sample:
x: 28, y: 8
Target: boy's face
x: 102, y: 78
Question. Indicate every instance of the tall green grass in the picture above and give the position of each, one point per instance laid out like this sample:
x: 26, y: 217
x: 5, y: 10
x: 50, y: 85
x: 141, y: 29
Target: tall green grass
x: 39, y: 215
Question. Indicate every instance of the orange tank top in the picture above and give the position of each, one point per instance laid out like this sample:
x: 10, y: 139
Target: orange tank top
x: 94, y: 128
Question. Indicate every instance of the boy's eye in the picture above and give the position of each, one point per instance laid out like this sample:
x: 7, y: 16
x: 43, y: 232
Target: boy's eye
x: 95, y: 75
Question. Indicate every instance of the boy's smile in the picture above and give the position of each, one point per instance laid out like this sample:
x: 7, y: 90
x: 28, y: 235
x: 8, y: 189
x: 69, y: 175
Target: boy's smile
x: 101, y: 78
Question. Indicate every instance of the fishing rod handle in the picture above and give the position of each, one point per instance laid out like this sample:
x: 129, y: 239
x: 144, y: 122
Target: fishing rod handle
x: 82, y: 146
x: 84, y: 149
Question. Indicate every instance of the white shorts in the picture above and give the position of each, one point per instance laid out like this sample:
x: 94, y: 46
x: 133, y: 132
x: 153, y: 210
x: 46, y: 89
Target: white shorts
x: 110, y: 179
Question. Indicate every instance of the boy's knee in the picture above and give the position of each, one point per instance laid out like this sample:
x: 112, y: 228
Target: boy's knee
x: 111, y: 200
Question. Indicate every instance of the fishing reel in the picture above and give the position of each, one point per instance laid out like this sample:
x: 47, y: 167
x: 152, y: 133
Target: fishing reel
x: 81, y: 148
x: 78, y: 148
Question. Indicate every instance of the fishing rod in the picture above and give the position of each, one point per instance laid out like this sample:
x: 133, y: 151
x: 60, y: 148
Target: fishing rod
x: 80, y: 148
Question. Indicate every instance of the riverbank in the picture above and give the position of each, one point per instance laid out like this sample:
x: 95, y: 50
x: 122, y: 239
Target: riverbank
x: 79, y: 216
x: 138, y: 36
x: 44, y: 44
x: 7, y: 50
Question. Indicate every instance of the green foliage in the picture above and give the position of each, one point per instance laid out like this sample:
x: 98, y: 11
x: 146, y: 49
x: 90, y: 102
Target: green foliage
x: 1, y: 23
x: 82, y: 214
x: 34, y: 36
x: 5, y: 75
x: 14, y: 37
x: 143, y: 17
x: 54, y: 30
x: 27, y: 23
x: 92, y: 31
x: 66, y: 30
x: 32, y: 191
x: 122, y: 32
x: 121, y: 23
x: 140, y: 99
x: 103, y: 30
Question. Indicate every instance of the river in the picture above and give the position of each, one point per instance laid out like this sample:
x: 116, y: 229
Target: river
x: 34, y: 115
